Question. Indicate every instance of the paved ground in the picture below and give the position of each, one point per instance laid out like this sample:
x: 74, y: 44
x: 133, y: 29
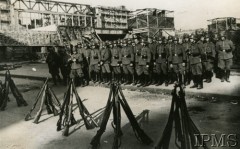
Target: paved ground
x: 214, y: 88
x: 210, y: 116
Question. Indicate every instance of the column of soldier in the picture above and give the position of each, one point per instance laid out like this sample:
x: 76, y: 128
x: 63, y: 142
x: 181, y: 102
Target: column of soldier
x: 152, y: 61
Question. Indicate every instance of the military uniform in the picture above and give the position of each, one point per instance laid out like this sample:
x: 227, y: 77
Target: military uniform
x: 127, y: 56
x: 86, y: 52
x: 64, y: 65
x: 169, y: 46
x: 53, y: 64
x: 76, y: 65
x: 152, y: 46
x: 144, y: 64
x: 224, y: 49
x: 161, y: 63
x: 105, y: 63
x: 196, y: 65
x: 177, y: 57
x: 116, y: 61
x: 137, y: 55
x: 186, y: 45
x: 208, y: 57
x: 94, y: 68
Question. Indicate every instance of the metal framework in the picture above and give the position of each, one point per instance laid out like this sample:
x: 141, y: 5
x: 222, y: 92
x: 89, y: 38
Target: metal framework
x: 151, y: 21
x: 40, y: 13
x: 222, y: 24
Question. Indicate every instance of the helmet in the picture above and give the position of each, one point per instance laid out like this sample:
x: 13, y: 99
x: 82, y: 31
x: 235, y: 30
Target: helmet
x: 185, y: 36
x: 206, y: 36
x: 192, y: 36
x: 175, y: 39
x: 160, y: 39
x: 170, y: 37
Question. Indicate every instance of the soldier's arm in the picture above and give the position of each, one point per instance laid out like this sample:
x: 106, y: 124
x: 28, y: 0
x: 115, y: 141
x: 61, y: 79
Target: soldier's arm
x: 132, y: 54
x: 148, y: 55
x: 232, y: 45
x: 213, y: 50
x: 184, y: 56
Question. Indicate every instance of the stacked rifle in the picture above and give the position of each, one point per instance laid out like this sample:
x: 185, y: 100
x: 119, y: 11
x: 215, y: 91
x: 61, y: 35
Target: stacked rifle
x: 66, y: 117
x: 116, y: 99
x: 4, y: 92
x: 49, y: 99
x: 185, y: 130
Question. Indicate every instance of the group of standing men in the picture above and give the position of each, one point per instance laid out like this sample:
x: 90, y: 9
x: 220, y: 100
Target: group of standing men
x: 143, y: 62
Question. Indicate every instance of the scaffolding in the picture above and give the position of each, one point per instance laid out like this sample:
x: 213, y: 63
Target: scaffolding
x: 218, y: 25
x: 151, y: 22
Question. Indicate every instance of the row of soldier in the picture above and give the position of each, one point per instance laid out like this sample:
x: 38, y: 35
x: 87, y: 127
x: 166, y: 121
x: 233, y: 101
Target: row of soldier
x: 143, y: 62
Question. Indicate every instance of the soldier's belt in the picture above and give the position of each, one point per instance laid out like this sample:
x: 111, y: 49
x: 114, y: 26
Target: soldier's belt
x: 95, y: 57
x: 116, y: 57
x: 127, y: 56
x: 178, y: 54
x: 144, y: 56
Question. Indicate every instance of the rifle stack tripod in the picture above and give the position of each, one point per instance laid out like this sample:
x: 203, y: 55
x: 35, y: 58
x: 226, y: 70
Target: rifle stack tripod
x: 185, y: 130
x: 116, y: 99
x: 4, y: 92
x: 66, y: 117
x: 49, y: 99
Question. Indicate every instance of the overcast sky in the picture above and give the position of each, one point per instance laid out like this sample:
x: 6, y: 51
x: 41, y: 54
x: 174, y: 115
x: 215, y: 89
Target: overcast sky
x: 189, y: 14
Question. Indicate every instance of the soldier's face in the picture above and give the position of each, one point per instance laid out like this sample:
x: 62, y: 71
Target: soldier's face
x: 186, y: 39
x: 223, y: 38
x: 160, y: 41
x: 175, y: 41
x: 207, y: 39
x: 191, y: 40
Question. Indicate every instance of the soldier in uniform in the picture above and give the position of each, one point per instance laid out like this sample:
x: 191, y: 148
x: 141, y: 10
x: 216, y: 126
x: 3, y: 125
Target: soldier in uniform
x: 161, y: 63
x: 64, y: 64
x: 86, y: 61
x: 144, y: 64
x: 53, y: 64
x: 224, y: 48
x: 186, y: 45
x: 196, y: 63
x: 208, y: 57
x: 94, y: 67
x: 127, y: 62
x: 116, y: 61
x: 169, y: 46
x: 177, y: 60
x: 76, y: 61
x: 152, y: 46
x: 105, y: 54
x: 137, y: 49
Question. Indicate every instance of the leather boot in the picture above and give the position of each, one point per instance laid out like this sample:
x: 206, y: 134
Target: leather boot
x: 195, y: 82
x: 200, y: 82
x: 222, y: 75
x: 141, y: 81
x: 227, y: 76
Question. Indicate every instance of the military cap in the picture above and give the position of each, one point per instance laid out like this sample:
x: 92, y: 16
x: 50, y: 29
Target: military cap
x: 175, y: 39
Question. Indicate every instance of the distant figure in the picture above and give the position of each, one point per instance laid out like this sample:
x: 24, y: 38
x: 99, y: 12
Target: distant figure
x: 64, y: 65
x: 53, y: 64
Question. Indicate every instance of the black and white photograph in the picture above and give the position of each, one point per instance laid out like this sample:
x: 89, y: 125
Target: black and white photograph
x: 119, y: 74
